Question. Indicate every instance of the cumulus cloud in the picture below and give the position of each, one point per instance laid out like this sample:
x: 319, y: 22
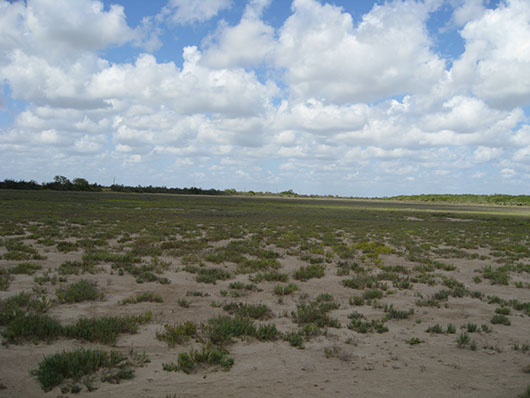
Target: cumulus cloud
x: 251, y: 42
x: 189, y: 11
x: 496, y: 60
x: 388, y: 53
x: 322, y: 103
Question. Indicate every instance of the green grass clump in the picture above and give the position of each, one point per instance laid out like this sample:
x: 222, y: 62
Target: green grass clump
x: 392, y: 313
x: 189, y: 362
x: 503, y: 311
x: 77, y: 267
x: 79, y: 291
x: 105, y: 329
x: 271, y: 276
x: 66, y: 247
x: 212, y: 275
x: 81, y: 364
x: 33, y: 327
x: 311, y: 271
x: 317, y: 312
x: 280, y: 290
x: 178, y: 333
x: 5, y: 279
x: 255, y: 311
x: 357, y: 300
x: 463, y: 339
x: 496, y: 276
x: 500, y: 319
x: 25, y: 268
x: 222, y: 329
x: 142, y: 298
x: 361, y: 326
x: 436, y: 329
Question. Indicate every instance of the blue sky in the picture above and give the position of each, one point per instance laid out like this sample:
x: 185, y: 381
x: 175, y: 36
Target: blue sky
x: 353, y: 98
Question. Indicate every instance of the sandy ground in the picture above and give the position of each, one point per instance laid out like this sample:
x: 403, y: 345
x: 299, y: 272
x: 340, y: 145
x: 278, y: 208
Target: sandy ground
x: 370, y: 365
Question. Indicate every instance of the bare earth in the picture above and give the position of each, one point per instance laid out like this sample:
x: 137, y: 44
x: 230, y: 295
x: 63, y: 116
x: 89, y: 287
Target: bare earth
x: 341, y: 363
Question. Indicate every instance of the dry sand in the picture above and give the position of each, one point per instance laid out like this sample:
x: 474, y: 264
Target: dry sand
x: 369, y: 365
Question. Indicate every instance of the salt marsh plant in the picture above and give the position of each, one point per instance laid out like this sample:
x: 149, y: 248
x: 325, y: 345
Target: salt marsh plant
x: 79, y: 291
x: 305, y: 273
x: 177, y: 333
x: 207, y: 356
x: 74, y: 366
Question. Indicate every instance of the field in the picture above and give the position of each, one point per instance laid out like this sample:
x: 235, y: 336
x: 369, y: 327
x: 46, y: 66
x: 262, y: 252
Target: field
x: 137, y: 295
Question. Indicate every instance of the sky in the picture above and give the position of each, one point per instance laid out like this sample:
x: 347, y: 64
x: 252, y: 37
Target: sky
x: 351, y: 98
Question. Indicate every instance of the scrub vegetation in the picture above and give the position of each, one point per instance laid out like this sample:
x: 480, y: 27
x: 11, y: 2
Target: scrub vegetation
x: 200, y: 275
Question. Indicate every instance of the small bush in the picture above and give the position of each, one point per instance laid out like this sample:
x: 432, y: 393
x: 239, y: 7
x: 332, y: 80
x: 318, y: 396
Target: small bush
x: 78, y: 291
x: 81, y: 364
x: 223, y: 329
x: 463, y: 339
x: 437, y: 329
x: 178, y: 333
x: 500, y: 319
x: 311, y: 271
x: 207, y: 356
x: 105, y: 329
x: 503, y: 311
x: 271, y: 276
x: 25, y: 268
x: 280, y: 290
x: 256, y: 311
x: 211, y: 275
x: 142, y: 298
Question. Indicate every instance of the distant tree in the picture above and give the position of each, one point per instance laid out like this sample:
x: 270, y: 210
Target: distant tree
x: 80, y: 184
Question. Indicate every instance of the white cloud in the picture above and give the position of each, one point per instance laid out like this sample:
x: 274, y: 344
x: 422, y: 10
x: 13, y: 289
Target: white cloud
x: 189, y: 11
x: 388, y: 53
x: 496, y: 60
x: 249, y: 43
x: 484, y: 154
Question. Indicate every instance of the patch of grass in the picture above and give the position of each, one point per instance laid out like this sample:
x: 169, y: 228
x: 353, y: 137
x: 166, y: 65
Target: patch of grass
x: 500, y: 319
x: 105, y: 329
x: 182, y: 302
x: 77, y: 267
x: 25, y: 268
x: 178, y: 333
x: 222, y: 329
x: 242, y: 286
x: 496, y: 276
x: 188, y: 362
x: 357, y: 300
x: 271, y: 276
x: 392, y: 313
x: 80, y: 364
x: 142, y: 298
x: 362, y: 326
x: 415, y: 340
x: 503, y: 311
x: 305, y: 273
x: 33, y: 327
x: 285, y: 290
x: 436, y: 329
x: 79, y: 291
x: 212, y: 275
x: 463, y: 339
x: 255, y: 311
x: 66, y: 247
x: 316, y: 312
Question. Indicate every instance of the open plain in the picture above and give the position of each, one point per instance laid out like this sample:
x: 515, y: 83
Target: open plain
x: 136, y: 295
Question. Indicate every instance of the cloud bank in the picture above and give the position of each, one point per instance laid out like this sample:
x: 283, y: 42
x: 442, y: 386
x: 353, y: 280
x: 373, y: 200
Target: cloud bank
x: 324, y: 103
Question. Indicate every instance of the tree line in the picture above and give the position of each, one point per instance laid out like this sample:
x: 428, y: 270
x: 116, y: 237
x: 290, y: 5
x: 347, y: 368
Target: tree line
x: 61, y: 183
